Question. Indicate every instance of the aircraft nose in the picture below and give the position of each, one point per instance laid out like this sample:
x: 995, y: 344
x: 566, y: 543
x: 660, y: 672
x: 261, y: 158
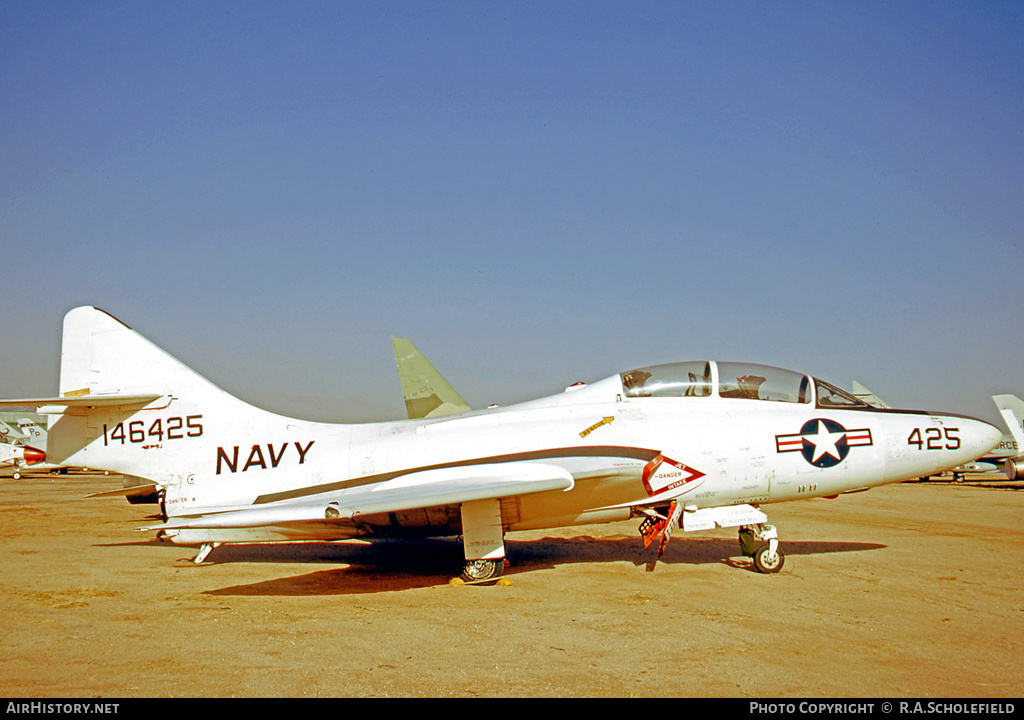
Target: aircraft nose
x: 978, y: 437
x: 33, y: 456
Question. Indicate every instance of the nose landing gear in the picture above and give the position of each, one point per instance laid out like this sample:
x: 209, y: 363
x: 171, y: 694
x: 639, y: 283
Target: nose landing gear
x: 767, y: 558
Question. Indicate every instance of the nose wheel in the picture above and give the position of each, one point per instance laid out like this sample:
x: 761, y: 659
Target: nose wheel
x: 767, y: 558
x: 767, y: 561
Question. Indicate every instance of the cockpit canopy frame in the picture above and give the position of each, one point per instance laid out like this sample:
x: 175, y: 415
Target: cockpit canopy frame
x: 733, y: 380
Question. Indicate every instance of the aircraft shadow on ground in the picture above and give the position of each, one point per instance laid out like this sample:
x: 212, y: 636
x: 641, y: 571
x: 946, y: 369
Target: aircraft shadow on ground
x: 392, y: 565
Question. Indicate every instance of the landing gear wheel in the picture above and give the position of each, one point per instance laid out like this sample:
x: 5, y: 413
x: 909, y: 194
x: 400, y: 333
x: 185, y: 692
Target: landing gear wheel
x: 766, y: 563
x: 478, y: 570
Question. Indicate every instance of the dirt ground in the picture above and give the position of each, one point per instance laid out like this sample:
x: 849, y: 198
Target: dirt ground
x: 906, y: 591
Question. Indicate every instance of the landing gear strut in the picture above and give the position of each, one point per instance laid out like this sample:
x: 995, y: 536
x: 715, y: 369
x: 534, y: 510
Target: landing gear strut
x: 767, y: 558
x: 483, y: 540
x: 204, y: 551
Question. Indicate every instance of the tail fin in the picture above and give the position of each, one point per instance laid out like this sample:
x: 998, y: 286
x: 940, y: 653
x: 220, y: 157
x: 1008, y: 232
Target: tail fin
x: 100, y: 355
x: 1012, y: 409
x: 9, y: 433
x: 867, y: 396
x: 427, y: 394
x: 34, y: 435
x: 127, y: 406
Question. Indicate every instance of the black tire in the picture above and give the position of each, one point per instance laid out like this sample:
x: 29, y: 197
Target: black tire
x: 477, y: 570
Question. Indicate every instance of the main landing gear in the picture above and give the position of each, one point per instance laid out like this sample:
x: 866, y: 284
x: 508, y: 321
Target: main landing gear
x: 767, y: 558
x: 483, y: 541
x: 482, y: 570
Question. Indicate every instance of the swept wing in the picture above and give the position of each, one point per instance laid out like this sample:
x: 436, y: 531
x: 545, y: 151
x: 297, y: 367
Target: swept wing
x: 426, y: 488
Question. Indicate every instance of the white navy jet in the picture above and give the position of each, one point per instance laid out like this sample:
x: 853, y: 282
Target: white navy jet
x: 692, y: 445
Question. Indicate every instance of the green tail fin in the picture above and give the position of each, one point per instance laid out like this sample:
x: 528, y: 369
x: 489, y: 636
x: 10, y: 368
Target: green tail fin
x: 427, y: 394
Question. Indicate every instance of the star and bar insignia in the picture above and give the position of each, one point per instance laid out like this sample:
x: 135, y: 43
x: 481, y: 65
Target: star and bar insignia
x: 823, y: 443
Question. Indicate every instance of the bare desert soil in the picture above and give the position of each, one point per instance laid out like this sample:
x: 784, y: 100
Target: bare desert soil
x: 909, y: 590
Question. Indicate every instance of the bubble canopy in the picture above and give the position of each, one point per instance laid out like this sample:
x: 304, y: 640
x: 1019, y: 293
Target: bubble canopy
x: 744, y: 381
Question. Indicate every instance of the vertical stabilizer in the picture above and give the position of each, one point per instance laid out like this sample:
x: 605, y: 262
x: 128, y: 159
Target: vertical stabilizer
x: 34, y: 435
x: 427, y: 394
x: 100, y: 355
x: 1011, y: 408
x: 127, y: 406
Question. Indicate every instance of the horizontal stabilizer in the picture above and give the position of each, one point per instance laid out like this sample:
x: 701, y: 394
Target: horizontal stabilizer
x: 732, y: 516
x: 427, y: 488
x: 84, y: 401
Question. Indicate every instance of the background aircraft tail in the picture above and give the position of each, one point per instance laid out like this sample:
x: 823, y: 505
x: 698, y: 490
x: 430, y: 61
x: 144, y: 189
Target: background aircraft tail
x: 34, y: 435
x: 9, y: 433
x: 1012, y: 409
x: 867, y: 396
x: 427, y: 394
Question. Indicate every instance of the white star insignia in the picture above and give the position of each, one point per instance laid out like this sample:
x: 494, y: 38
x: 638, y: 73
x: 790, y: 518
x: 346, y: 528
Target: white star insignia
x: 824, y: 442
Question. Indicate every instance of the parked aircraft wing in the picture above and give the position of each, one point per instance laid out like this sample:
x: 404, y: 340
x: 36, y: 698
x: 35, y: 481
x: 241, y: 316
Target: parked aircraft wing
x: 426, y: 392
x: 426, y: 488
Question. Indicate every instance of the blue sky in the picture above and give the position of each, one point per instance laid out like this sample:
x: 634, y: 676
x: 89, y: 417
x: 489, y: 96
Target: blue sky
x: 534, y: 193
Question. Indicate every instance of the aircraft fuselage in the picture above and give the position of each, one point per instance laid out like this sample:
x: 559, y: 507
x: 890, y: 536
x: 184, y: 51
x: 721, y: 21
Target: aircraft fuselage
x: 621, y: 452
